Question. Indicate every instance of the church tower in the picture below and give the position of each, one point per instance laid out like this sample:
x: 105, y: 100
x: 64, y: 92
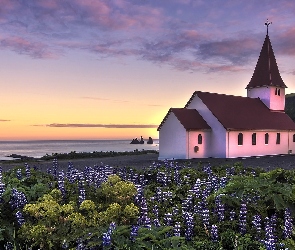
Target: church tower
x: 266, y: 82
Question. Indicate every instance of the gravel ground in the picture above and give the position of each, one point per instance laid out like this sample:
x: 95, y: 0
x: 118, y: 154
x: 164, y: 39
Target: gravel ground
x: 139, y: 161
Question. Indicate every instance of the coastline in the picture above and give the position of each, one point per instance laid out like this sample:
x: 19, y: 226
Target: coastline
x: 146, y: 160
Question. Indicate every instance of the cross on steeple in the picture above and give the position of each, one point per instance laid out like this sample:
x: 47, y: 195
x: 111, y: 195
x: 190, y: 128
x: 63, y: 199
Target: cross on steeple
x: 267, y: 24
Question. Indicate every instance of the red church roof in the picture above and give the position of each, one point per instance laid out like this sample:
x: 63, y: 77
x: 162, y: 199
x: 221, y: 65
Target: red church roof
x: 189, y: 118
x: 266, y: 72
x: 243, y: 113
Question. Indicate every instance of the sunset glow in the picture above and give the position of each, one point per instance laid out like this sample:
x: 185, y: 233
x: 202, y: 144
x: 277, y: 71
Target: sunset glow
x: 84, y: 69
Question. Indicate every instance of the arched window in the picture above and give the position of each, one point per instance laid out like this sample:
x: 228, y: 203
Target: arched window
x: 279, y: 92
x: 240, y: 139
x: 254, y: 139
x: 278, y: 141
x: 276, y: 92
x: 266, y: 138
x: 200, y: 139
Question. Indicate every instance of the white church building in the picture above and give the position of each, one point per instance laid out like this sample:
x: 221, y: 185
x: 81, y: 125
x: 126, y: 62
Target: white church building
x: 226, y: 126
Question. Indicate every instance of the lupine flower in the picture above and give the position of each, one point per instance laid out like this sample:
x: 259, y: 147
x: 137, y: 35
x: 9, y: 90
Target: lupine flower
x: 288, y: 224
x: 28, y: 170
x: 19, y: 217
x: 19, y: 174
x: 242, y: 218
x: 257, y: 224
x: 189, y: 225
x: 80, y: 245
x: 82, y: 193
x: 54, y: 168
x: 176, y: 229
x: 134, y: 232
x: 214, y: 233
x: 61, y: 183
x: 269, y: 241
x: 17, y: 199
x: 8, y: 246
x: 219, y: 208
x: 232, y: 215
x: 168, y: 219
x: 106, y: 237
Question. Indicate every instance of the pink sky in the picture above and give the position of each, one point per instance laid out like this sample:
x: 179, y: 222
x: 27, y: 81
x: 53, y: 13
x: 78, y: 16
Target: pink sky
x: 94, y: 69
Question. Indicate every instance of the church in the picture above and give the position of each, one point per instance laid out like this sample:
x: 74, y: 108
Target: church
x: 227, y: 126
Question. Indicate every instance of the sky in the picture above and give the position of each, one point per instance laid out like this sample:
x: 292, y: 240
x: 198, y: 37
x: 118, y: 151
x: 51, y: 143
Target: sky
x: 111, y: 69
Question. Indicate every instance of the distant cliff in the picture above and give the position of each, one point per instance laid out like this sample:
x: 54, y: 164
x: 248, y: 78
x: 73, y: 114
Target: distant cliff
x: 290, y: 105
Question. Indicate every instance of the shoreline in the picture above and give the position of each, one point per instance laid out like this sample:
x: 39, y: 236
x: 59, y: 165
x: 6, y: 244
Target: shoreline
x: 140, y: 161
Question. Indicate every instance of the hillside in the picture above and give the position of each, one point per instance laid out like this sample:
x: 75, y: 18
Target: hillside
x: 290, y: 105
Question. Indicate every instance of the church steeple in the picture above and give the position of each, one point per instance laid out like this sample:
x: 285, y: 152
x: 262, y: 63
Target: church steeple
x: 266, y: 72
x: 266, y: 82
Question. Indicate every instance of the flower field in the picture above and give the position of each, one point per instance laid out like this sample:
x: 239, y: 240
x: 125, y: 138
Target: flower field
x: 166, y: 206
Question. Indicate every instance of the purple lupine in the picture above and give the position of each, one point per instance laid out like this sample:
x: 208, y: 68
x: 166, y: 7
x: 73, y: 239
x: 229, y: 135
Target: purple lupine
x: 133, y: 232
x: 257, y: 225
x: 28, y: 170
x: 82, y: 192
x: 214, y: 233
x: 176, y: 229
x: 168, y: 219
x: 242, y: 218
x: 54, y: 168
x: 144, y: 220
x: 8, y: 246
x: 61, y: 183
x: 288, y: 224
x: 17, y: 199
x: 80, y: 245
x: 106, y: 237
x: 232, y: 215
x: 219, y: 208
x: 19, y: 174
x: 197, y: 188
x: 20, y: 218
x: 269, y: 241
x: 2, y: 185
x: 189, y: 225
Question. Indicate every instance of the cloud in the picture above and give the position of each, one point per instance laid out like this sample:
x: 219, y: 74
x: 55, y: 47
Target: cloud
x: 141, y: 29
x: 86, y: 125
x: 27, y: 47
x: 2, y: 120
x: 235, y: 51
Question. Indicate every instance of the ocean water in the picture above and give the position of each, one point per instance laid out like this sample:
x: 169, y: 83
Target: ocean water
x: 40, y: 148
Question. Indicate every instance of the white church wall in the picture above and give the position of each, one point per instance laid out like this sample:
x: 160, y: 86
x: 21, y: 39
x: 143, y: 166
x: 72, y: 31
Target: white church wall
x: 218, y: 135
x: 292, y: 142
x: 172, y: 137
x: 247, y: 149
x: 203, y: 148
x: 268, y: 95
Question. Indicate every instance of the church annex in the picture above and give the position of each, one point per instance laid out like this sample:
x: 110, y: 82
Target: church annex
x: 225, y: 126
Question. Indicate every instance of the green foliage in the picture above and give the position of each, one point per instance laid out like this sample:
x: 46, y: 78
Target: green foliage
x: 272, y: 188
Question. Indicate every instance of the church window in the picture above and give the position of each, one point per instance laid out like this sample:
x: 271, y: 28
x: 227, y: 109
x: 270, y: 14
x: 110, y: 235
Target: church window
x: 278, y: 141
x: 266, y: 138
x: 200, y: 139
x: 279, y: 92
x: 293, y: 137
x: 254, y: 139
x: 276, y: 92
x: 240, y: 139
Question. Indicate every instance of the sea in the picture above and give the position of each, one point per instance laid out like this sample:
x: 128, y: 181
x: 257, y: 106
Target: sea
x: 40, y: 148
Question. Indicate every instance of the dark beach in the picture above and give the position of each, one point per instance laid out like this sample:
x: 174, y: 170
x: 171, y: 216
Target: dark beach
x: 146, y: 160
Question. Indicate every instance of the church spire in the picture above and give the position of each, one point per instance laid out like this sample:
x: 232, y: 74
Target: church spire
x: 266, y: 72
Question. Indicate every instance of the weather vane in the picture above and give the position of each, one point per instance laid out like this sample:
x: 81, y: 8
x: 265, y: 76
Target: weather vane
x: 267, y: 24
